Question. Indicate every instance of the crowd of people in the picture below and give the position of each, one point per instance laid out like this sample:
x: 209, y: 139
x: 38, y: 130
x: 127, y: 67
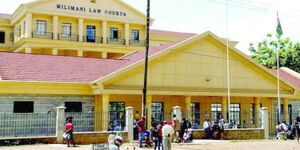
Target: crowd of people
x: 286, y: 131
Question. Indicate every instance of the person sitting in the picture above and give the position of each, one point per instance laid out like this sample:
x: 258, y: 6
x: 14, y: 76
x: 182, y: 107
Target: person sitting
x: 216, y: 131
x: 282, y: 131
x: 196, y: 125
x: 110, y: 127
x: 188, y: 136
x: 206, y: 127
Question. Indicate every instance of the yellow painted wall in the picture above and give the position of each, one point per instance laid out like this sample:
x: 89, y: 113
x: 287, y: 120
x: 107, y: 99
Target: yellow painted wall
x: 8, y: 29
x: 47, y: 18
x: 73, y: 21
x: 141, y: 29
x: 95, y: 23
x: 118, y: 25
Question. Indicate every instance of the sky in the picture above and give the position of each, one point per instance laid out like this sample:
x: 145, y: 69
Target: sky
x: 248, y: 20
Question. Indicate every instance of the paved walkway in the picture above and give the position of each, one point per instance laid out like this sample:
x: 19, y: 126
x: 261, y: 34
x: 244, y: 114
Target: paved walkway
x: 196, y: 145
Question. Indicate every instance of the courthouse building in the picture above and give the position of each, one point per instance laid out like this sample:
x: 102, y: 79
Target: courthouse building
x: 88, y: 55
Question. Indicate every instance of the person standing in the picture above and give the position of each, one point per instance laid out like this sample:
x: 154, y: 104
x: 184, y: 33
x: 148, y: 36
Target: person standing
x: 167, y: 132
x: 183, y: 127
x: 69, y: 132
x: 298, y: 128
x: 206, y: 127
x: 142, y: 130
x: 175, y: 125
x: 159, y: 128
x: 221, y: 125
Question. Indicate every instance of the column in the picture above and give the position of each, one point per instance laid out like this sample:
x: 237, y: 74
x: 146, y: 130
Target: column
x: 126, y: 34
x: 104, y: 31
x: 105, y: 111
x: 97, y: 111
x: 54, y: 51
x: 224, y: 107
x: 265, y: 121
x: 188, y: 100
x: 80, y: 53
x: 60, y: 124
x: 28, y: 28
x: 103, y: 54
x: 129, y: 122
x: 285, y: 103
x: 55, y: 27
x: 28, y: 50
x: 256, y: 110
x: 80, y: 30
x: 149, y: 110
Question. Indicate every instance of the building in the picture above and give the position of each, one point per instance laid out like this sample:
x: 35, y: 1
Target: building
x: 88, y: 56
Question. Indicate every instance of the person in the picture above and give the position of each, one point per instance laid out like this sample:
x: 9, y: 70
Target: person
x: 159, y: 128
x: 69, y: 132
x: 206, y: 127
x: 110, y: 127
x: 221, y: 125
x: 282, y: 131
x: 142, y: 130
x: 118, y: 128
x: 135, y: 130
x: 188, y: 136
x: 188, y: 124
x: 196, y: 125
x: 175, y: 125
x: 154, y: 133
x: 183, y: 127
x: 215, y: 130
x: 117, y: 142
x: 227, y: 125
x: 298, y: 128
x: 167, y: 132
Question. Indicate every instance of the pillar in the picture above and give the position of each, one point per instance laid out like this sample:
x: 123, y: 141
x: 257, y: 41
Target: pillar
x: 149, y: 110
x: 98, y: 113
x: 105, y: 111
x: 60, y: 124
x: 80, y: 30
x: 126, y: 34
x: 28, y: 28
x: 285, y: 103
x: 104, y: 31
x: 188, y: 100
x: 177, y: 112
x: 265, y: 121
x: 28, y: 50
x: 129, y: 122
x: 80, y: 53
x: 54, y: 51
x: 256, y: 111
x: 224, y: 107
x: 103, y: 54
x: 55, y: 27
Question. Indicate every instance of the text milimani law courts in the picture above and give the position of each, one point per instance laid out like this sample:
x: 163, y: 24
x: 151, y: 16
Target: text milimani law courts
x: 88, y: 55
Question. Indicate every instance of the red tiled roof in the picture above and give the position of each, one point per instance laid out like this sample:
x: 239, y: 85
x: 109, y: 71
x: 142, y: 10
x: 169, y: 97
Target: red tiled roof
x: 4, y: 16
x: 289, y: 75
x: 31, y: 67
x: 172, y: 33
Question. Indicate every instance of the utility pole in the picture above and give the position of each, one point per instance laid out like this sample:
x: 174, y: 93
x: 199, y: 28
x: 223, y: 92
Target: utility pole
x: 144, y: 108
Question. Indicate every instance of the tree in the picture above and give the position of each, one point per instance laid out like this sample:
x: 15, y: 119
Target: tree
x: 264, y: 52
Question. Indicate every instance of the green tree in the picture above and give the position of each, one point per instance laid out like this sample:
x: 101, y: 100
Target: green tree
x: 264, y: 52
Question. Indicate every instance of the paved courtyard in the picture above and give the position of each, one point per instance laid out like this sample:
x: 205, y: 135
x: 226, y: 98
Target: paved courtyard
x: 197, y: 145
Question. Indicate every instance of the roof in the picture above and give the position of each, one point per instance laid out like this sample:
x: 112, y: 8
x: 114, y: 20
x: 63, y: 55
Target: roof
x: 4, y: 16
x: 289, y: 75
x: 33, y: 67
x: 154, y: 31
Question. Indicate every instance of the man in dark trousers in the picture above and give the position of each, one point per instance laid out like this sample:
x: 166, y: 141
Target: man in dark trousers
x: 142, y: 130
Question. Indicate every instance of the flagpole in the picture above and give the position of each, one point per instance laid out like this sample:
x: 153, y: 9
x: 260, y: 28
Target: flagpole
x: 278, y: 86
x: 227, y: 64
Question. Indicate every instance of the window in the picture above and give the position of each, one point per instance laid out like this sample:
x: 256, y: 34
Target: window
x: 235, y: 113
x: 66, y: 29
x: 216, y: 110
x: 2, y: 37
x: 114, y: 34
x: 41, y: 27
x: 93, y: 1
x: 195, y: 112
x: 135, y: 37
x: 23, y: 107
x: 73, y: 106
x: 117, y: 113
x: 158, y: 111
x: 252, y: 113
x: 90, y: 31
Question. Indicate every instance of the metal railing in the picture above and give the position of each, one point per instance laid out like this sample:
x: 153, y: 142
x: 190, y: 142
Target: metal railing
x: 116, y: 41
x: 95, y: 39
x: 27, y: 125
x: 137, y: 43
x: 42, y: 35
x: 71, y: 37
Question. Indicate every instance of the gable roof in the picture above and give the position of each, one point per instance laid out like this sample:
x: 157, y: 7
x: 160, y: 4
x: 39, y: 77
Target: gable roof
x: 164, y: 32
x: 289, y: 75
x: 4, y: 16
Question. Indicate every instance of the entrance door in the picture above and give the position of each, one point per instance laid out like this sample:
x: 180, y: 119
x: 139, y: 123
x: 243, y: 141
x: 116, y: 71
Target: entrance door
x: 158, y: 111
x: 90, y: 33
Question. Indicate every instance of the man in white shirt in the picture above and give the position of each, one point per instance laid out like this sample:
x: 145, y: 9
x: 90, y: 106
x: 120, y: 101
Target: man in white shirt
x: 206, y: 127
x: 167, y: 132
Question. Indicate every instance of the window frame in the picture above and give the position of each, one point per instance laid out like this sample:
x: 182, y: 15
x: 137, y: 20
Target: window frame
x: 2, y: 41
x: 66, y: 30
x: 21, y: 104
x: 41, y: 27
x: 114, y: 32
x: 216, y: 111
x: 235, y: 112
x: 135, y: 36
x: 72, y: 110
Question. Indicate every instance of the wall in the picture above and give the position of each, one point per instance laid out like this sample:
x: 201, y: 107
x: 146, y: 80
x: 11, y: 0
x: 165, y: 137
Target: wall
x: 95, y: 137
x: 45, y: 103
x: 237, y: 134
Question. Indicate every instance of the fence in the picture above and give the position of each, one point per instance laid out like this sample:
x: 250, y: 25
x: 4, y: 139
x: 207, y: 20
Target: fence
x: 27, y: 125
